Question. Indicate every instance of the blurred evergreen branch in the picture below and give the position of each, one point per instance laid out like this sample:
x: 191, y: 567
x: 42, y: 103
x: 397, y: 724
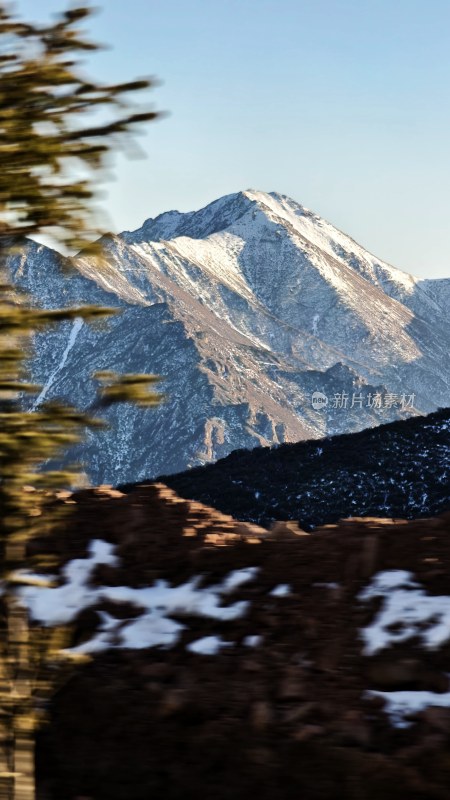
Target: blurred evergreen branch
x: 57, y: 130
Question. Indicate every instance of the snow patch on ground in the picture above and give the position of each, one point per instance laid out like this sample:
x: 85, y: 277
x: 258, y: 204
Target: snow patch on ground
x: 281, y: 591
x: 406, y: 612
x: 208, y: 646
x: 401, y: 705
x: 238, y: 577
x: 155, y: 626
x: 253, y: 641
x: 60, y: 605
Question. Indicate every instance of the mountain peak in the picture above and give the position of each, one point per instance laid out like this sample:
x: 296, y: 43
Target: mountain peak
x: 214, y: 217
x: 224, y: 213
x: 254, y: 217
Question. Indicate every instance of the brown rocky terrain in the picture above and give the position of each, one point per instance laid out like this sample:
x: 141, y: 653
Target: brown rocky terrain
x: 284, y: 716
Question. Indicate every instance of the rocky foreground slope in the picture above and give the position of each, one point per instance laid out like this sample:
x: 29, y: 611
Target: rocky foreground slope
x: 229, y: 660
x: 247, y: 308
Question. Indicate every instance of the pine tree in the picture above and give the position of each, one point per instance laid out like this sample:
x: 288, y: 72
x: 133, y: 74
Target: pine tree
x: 55, y: 124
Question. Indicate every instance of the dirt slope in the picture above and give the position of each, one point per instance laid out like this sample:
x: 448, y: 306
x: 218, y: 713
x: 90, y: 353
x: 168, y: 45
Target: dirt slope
x: 285, y: 715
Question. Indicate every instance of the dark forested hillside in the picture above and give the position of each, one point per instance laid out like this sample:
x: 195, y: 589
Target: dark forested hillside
x: 401, y: 469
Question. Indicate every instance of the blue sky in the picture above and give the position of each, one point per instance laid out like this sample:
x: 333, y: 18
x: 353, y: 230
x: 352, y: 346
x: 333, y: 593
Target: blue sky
x: 342, y: 104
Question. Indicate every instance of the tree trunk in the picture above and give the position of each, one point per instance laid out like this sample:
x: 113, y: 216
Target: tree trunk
x: 17, y: 737
x: 6, y: 751
x: 24, y: 778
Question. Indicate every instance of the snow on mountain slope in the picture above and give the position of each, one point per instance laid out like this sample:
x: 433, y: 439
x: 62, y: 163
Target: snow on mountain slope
x: 305, y: 273
x: 246, y: 307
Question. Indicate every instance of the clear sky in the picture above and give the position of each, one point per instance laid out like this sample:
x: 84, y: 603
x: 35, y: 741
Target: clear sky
x: 344, y: 105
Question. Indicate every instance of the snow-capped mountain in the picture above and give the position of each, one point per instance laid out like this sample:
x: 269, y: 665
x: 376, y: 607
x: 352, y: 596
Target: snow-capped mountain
x: 247, y: 308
